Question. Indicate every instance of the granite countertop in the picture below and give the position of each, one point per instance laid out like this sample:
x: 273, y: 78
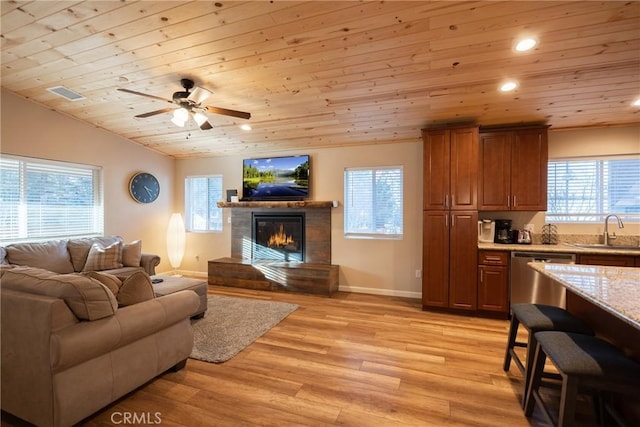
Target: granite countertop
x: 560, y: 247
x: 614, y: 289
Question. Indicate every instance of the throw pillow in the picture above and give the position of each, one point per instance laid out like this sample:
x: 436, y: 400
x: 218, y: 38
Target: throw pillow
x: 132, y: 253
x: 101, y: 258
x: 135, y: 288
x: 79, y: 248
x: 109, y: 280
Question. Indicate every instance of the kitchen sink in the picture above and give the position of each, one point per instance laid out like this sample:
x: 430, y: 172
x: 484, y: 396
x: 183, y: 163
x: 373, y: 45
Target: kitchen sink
x: 605, y: 247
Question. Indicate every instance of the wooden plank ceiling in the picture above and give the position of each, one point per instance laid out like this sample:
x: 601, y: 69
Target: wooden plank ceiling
x: 323, y: 74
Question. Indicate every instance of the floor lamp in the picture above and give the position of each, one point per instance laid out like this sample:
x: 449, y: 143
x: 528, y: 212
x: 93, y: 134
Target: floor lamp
x: 175, y: 240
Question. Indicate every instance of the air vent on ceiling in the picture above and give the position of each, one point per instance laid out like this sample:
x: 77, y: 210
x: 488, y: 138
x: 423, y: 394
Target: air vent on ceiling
x: 66, y: 93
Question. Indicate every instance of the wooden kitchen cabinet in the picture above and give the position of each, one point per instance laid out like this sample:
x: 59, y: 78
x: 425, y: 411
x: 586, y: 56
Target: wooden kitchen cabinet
x: 493, y: 281
x: 513, y: 169
x: 450, y: 168
x: 450, y: 259
x: 611, y: 260
x: 450, y: 223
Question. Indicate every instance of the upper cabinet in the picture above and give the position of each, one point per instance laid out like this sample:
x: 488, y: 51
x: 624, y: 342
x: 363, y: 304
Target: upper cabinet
x: 451, y: 168
x: 513, y: 169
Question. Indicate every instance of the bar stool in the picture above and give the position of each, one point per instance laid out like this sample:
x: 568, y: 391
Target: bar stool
x: 584, y: 363
x: 536, y: 318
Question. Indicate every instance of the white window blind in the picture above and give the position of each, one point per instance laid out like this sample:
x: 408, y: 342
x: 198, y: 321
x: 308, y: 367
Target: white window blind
x: 202, y: 194
x: 373, y: 202
x: 586, y: 190
x: 42, y: 199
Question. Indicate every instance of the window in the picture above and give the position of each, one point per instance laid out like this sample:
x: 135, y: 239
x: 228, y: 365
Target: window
x: 202, y: 194
x: 586, y: 190
x: 373, y: 202
x: 43, y: 199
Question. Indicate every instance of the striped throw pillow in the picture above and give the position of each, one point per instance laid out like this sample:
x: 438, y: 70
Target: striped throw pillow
x: 104, y: 258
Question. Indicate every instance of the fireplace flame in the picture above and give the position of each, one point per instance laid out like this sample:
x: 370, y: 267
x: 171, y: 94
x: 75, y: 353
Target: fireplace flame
x: 280, y: 239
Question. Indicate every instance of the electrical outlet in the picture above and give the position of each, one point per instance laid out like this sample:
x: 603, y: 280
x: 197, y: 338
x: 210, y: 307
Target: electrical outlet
x: 228, y: 220
x: 530, y: 227
x: 418, y: 274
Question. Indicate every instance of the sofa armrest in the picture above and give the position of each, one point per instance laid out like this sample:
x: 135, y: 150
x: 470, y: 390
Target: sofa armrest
x: 149, y: 263
x: 86, y: 340
x: 28, y: 320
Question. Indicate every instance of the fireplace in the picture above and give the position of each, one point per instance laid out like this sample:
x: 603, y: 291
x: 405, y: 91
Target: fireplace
x: 278, y: 236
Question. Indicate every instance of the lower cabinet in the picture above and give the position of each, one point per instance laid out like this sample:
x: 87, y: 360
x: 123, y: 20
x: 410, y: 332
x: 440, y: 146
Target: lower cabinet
x: 493, y: 281
x: 450, y: 250
x: 610, y: 260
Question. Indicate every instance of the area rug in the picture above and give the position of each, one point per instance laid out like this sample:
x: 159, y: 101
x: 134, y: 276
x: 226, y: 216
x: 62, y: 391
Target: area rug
x: 231, y: 324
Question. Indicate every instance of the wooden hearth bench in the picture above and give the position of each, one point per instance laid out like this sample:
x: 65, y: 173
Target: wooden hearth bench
x: 319, y: 279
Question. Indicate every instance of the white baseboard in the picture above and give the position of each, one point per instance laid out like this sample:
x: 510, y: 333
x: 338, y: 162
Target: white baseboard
x: 377, y: 291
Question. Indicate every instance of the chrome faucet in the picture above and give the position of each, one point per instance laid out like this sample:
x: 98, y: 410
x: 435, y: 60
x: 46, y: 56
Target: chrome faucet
x: 606, y: 228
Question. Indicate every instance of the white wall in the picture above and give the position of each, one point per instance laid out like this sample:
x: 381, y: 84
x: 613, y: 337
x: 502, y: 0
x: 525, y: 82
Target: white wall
x: 32, y: 130
x: 373, y: 266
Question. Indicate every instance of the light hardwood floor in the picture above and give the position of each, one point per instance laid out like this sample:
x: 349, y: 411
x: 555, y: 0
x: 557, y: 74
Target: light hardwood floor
x: 353, y: 359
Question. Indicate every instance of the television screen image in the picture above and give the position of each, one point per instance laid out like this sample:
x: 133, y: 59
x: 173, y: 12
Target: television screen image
x: 276, y: 178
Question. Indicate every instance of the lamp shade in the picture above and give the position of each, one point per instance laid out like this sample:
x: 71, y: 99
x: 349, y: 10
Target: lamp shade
x: 175, y: 240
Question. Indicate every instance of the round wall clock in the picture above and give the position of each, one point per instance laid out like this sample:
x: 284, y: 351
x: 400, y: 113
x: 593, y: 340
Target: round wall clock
x: 144, y: 187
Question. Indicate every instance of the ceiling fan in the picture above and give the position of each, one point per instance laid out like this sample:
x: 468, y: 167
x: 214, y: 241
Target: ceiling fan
x: 189, y: 105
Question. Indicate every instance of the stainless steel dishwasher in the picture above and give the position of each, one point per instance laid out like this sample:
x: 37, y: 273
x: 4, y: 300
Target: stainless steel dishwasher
x: 529, y: 286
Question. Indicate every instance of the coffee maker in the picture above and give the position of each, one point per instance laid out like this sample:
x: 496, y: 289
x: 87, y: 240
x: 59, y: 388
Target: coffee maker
x: 503, y: 231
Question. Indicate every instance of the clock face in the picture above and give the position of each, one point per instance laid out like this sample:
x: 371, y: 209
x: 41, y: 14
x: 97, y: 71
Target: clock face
x: 144, y: 187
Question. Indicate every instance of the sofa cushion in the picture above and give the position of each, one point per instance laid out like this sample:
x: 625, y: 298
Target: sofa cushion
x: 52, y: 255
x: 79, y: 248
x: 131, y: 253
x: 135, y: 288
x: 86, y: 297
x: 104, y: 258
x: 109, y: 280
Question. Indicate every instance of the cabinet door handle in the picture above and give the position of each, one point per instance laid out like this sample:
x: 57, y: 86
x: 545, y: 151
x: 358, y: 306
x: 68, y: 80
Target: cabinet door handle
x: 514, y: 201
x: 453, y: 221
x: 446, y: 201
x: 453, y: 198
x: 509, y: 200
x: 481, y: 275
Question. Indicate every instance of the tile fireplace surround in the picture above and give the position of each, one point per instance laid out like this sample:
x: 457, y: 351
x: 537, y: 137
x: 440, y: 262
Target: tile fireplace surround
x: 315, y: 275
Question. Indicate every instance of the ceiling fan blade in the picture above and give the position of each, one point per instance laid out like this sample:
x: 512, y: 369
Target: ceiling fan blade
x: 226, y: 112
x: 153, y: 113
x: 206, y: 126
x: 199, y: 94
x: 144, y: 94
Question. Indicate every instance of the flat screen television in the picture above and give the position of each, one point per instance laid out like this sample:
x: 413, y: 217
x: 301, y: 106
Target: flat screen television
x: 275, y: 178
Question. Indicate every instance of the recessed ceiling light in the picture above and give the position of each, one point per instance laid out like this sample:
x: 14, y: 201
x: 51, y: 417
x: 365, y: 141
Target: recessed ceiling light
x: 245, y: 127
x: 524, y: 45
x: 636, y: 103
x: 508, y: 86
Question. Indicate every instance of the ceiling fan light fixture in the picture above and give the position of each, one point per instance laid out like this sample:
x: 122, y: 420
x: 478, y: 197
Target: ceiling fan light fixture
x: 199, y: 118
x: 181, y: 114
x: 178, y: 122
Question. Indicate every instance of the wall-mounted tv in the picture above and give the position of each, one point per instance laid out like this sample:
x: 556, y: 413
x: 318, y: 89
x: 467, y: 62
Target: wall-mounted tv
x: 275, y: 178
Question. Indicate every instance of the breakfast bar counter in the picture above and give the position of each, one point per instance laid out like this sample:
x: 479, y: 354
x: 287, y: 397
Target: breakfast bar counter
x: 614, y: 289
x: 606, y: 298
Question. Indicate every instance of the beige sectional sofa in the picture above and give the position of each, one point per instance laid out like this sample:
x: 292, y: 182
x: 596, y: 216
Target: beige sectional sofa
x: 109, y: 254
x: 73, y: 342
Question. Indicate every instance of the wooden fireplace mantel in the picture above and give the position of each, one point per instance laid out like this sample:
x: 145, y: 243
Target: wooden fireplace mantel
x: 309, y: 204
